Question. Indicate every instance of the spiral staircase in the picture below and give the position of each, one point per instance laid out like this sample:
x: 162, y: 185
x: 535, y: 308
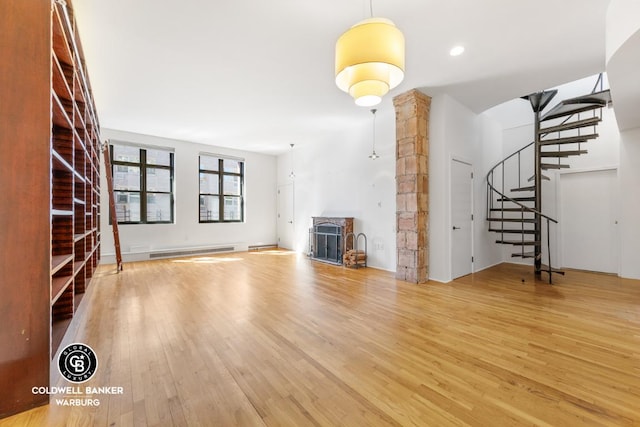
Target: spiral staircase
x: 514, y: 186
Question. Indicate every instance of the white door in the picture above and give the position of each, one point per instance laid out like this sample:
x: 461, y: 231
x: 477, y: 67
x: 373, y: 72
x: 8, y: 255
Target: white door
x: 461, y: 219
x: 285, y: 216
x: 588, y: 231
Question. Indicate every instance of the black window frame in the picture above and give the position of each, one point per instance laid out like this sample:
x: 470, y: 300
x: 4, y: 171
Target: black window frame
x: 143, y: 165
x: 220, y: 173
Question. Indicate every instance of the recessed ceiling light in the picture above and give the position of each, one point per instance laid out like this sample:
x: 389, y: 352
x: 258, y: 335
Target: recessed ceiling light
x: 456, y: 50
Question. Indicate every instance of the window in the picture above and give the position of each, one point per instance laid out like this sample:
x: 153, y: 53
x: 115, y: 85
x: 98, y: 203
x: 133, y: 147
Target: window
x: 142, y: 184
x: 221, y: 189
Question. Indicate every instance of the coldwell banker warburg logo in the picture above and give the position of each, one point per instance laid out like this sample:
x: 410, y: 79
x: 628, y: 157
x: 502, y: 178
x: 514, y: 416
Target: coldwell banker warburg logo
x: 77, y: 363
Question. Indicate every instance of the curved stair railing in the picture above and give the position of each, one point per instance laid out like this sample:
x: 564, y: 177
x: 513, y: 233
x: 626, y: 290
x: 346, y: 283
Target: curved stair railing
x: 499, y: 196
x: 513, y: 209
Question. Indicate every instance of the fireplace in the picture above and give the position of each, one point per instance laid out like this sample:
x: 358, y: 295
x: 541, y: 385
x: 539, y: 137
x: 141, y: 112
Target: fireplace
x: 328, y: 238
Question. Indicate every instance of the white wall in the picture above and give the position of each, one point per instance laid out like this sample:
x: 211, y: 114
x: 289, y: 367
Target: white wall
x: 622, y: 59
x: 438, y: 231
x: 487, y: 252
x: 630, y: 204
x: 455, y: 132
x: 258, y: 228
x: 335, y: 177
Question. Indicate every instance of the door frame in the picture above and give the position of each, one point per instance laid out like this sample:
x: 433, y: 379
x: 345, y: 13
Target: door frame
x: 468, y: 162
x: 293, y: 214
x: 560, y: 213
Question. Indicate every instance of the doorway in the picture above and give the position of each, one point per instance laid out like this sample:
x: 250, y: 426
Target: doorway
x: 285, y: 216
x: 461, y: 218
x: 588, y: 211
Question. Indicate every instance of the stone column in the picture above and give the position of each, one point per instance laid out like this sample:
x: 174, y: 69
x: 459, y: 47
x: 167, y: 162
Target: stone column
x: 412, y: 186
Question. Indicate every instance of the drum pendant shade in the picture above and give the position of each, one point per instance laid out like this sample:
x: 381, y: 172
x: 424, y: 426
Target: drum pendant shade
x: 370, y: 60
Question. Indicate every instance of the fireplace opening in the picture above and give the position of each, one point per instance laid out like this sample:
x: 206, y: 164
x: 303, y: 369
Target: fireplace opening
x: 327, y: 243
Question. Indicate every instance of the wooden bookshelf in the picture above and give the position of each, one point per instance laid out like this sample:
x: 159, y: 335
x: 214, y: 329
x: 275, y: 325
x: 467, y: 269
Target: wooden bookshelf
x: 49, y: 178
x: 75, y: 140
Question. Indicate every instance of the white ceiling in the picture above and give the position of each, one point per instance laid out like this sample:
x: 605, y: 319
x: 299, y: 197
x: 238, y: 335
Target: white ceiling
x: 258, y: 75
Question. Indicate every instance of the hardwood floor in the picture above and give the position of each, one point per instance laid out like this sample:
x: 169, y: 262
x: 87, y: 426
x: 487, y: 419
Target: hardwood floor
x: 271, y: 338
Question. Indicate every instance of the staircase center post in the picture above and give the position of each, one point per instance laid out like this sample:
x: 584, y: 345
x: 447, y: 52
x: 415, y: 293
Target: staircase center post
x: 538, y: 195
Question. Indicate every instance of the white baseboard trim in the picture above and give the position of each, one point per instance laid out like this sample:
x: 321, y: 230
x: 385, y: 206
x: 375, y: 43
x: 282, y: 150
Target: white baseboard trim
x: 433, y: 279
x: 177, y: 252
x: 489, y: 266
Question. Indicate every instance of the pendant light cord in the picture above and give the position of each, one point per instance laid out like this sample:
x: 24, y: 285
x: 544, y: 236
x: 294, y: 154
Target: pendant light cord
x: 292, y: 174
x: 373, y: 111
x: 371, y: 7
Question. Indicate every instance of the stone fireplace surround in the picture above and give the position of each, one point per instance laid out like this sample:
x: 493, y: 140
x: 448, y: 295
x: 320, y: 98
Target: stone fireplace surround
x: 346, y: 227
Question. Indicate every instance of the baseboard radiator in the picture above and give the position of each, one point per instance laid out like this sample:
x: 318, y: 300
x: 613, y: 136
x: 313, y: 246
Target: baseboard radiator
x: 260, y: 247
x: 189, y: 252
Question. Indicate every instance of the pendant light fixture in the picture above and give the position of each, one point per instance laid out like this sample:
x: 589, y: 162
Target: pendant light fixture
x: 291, y: 174
x: 373, y: 154
x: 370, y: 59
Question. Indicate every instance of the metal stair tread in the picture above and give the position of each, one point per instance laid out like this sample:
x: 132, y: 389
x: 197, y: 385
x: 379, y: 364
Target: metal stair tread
x: 530, y: 188
x: 509, y: 210
x: 517, y: 199
x: 602, y: 97
x: 525, y: 220
x: 569, y: 139
x: 546, y: 166
x: 579, y: 104
x: 519, y: 242
x: 562, y: 153
x: 591, y: 121
x: 511, y: 231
